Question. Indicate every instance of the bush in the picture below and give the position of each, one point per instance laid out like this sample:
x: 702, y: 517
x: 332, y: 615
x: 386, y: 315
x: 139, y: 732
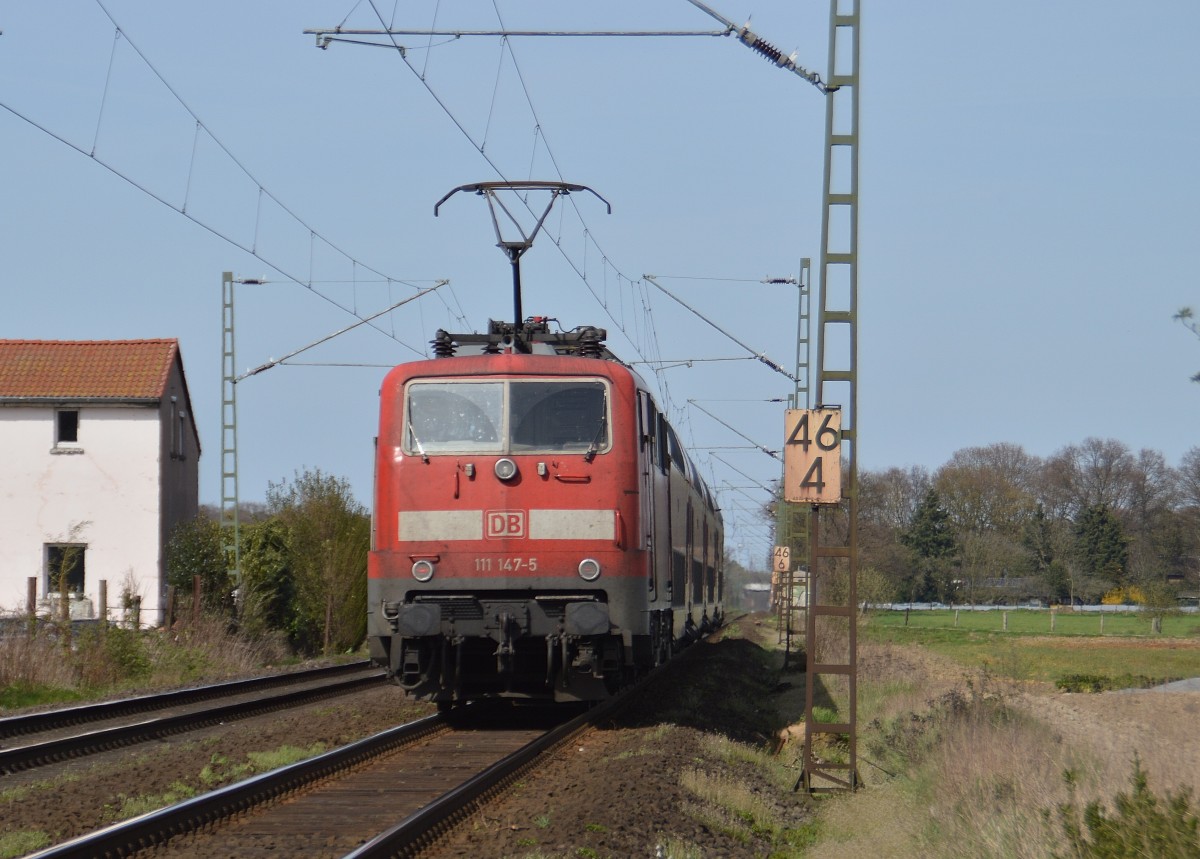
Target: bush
x: 110, y: 657
x: 196, y: 549
x: 1141, y: 826
x: 1104, y: 683
x: 328, y: 535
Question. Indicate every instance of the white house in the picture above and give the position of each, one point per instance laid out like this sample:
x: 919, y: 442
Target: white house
x: 98, y: 462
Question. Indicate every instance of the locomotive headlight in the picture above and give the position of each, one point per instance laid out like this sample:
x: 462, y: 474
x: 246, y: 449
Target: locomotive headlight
x: 589, y: 570
x: 506, y: 469
x: 422, y: 570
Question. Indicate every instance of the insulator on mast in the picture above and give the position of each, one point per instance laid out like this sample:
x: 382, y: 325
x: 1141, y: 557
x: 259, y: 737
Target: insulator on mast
x: 772, y: 53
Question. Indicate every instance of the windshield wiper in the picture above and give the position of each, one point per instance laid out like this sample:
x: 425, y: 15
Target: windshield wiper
x: 595, y: 445
x: 421, y: 450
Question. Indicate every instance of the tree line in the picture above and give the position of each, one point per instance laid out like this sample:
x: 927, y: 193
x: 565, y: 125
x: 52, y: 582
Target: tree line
x: 1093, y: 522
x: 303, y: 564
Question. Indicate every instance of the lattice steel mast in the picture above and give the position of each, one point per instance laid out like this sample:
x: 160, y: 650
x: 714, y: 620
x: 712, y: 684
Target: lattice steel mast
x: 831, y: 634
x: 230, y: 531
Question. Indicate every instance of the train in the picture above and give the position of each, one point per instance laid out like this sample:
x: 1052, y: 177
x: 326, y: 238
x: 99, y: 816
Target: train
x: 539, y: 532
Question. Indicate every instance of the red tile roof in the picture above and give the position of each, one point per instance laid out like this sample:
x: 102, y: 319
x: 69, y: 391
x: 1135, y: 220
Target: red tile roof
x: 106, y: 369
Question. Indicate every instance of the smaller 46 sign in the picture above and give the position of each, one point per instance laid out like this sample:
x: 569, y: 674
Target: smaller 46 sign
x: 812, y: 456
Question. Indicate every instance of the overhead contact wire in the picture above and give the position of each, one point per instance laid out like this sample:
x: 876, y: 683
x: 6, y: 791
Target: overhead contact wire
x: 120, y: 32
x: 403, y: 54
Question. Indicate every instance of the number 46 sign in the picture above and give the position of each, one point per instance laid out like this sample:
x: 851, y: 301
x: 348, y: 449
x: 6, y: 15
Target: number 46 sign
x: 812, y: 456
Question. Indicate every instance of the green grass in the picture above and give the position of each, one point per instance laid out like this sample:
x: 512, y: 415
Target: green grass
x: 221, y: 770
x: 25, y: 695
x: 1028, y: 622
x: 14, y: 844
x: 132, y: 806
x: 1029, y: 651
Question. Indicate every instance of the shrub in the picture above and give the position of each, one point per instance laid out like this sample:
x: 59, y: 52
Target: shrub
x: 196, y: 549
x: 1105, y: 683
x: 103, y: 658
x: 1142, y: 825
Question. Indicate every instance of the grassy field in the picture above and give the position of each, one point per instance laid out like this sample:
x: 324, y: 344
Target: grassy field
x: 990, y: 768
x: 1029, y: 650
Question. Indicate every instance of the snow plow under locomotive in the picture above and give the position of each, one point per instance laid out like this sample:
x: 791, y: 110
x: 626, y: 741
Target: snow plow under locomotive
x: 539, y: 531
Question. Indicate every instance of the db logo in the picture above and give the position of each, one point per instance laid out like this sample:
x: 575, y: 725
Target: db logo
x: 505, y: 523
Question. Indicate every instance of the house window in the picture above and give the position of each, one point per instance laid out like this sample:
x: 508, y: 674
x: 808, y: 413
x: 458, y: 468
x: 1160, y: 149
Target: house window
x: 178, y: 422
x: 174, y: 428
x: 66, y: 426
x: 64, y: 561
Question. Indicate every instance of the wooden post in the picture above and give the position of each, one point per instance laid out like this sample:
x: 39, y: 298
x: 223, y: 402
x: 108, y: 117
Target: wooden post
x: 1005, y: 621
x: 1102, y: 623
x: 1052, y: 620
x: 31, y: 602
x: 956, y: 618
x: 103, y: 613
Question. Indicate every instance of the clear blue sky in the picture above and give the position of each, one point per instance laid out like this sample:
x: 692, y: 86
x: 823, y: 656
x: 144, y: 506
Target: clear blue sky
x: 1030, y: 207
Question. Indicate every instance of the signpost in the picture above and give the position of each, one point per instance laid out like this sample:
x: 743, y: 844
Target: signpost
x: 812, y: 456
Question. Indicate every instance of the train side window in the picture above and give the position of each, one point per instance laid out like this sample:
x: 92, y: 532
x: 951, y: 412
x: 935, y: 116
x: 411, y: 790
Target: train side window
x: 678, y: 458
x: 664, y: 453
x: 648, y: 416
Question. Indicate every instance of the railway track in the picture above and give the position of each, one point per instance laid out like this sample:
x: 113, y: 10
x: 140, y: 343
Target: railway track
x: 56, y: 735
x: 392, y: 794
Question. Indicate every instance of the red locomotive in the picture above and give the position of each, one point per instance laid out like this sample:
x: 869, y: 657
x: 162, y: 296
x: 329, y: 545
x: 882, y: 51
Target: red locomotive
x: 539, y: 531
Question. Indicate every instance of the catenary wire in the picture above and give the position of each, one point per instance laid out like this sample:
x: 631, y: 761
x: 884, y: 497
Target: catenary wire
x: 263, y: 190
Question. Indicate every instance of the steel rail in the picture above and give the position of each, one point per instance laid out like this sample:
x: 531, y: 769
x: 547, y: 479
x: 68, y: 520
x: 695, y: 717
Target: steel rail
x: 420, y: 829
x: 155, y: 827
x: 40, y: 754
x: 31, y: 723
x: 409, y: 836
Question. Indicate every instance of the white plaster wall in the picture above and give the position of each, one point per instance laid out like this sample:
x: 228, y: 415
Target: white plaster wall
x: 109, y: 492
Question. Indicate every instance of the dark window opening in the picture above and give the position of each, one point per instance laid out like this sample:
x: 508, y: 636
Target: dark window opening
x: 67, y: 426
x: 678, y: 578
x: 664, y: 455
x: 678, y: 457
x: 558, y: 416
x: 64, y: 560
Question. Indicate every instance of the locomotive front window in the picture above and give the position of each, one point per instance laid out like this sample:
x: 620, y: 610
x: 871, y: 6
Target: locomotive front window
x: 518, y: 415
x: 463, y: 416
x: 558, y: 416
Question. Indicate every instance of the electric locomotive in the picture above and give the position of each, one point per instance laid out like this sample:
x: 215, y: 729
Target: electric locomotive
x: 538, y: 532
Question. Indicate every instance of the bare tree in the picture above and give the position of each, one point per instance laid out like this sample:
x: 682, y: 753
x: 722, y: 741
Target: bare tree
x: 1098, y: 472
x: 988, y: 489
x: 890, y: 498
x: 1185, y: 317
x: 1189, y: 479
